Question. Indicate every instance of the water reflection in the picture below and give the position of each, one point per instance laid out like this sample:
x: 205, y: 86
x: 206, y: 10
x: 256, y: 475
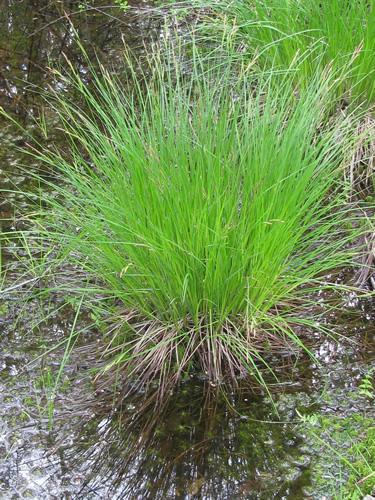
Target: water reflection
x: 197, y: 447
x: 35, y: 34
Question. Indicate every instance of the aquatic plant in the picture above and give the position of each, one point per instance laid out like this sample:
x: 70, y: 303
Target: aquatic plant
x: 346, y: 447
x: 200, y: 203
x: 277, y: 32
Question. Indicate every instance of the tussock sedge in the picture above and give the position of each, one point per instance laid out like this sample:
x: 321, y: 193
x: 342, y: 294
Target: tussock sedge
x: 206, y: 204
x: 309, y: 33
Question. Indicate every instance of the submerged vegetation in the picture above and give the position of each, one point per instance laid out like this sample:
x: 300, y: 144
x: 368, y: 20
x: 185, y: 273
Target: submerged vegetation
x: 347, y: 454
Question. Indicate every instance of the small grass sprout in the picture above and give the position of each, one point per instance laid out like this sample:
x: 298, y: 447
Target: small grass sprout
x: 366, y: 387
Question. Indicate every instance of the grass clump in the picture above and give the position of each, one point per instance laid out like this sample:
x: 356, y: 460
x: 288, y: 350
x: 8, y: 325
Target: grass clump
x: 313, y: 34
x: 205, y: 203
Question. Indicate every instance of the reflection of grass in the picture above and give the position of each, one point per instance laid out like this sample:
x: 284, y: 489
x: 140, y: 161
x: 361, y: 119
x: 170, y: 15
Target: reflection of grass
x: 205, y: 204
x: 277, y: 32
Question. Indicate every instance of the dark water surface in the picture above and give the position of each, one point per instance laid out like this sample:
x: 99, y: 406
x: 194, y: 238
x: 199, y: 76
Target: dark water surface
x: 199, y: 446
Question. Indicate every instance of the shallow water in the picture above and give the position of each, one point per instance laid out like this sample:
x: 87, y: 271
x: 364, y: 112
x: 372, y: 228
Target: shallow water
x: 82, y: 446
x: 199, y: 447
